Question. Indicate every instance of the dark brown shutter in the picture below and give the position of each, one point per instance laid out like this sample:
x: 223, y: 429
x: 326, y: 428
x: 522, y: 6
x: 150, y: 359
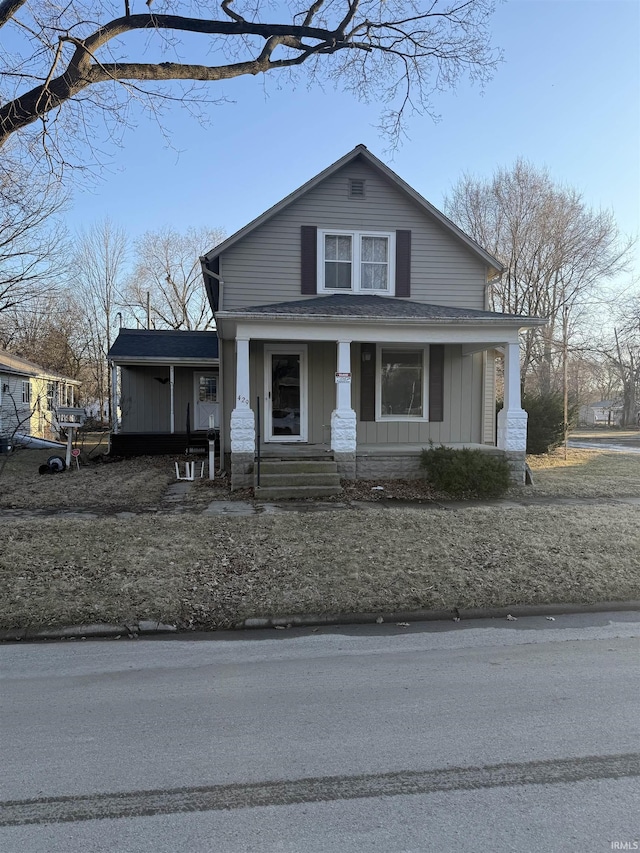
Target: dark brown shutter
x: 367, y: 382
x: 436, y: 382
x: 308, y: 259
x: 403, y: 263
x: 211, y: 284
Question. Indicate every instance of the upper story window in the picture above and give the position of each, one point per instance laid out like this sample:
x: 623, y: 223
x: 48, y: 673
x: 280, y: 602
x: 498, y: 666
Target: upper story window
x: 356, y: 261
x: 26, y: 391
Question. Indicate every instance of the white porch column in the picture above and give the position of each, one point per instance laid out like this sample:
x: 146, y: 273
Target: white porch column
x: 172, y: 409
x: 343, y: 417
x: 243, y: 426
x: 512, y: 419
x: 114, y: 398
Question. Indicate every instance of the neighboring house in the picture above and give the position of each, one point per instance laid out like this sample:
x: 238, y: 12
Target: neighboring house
x: 354, y: 315
x: 602, y: 413
x: 30, y: 395
x: 166, y: 377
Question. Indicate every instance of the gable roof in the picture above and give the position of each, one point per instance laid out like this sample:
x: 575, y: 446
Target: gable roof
x: 359, y: 152
x: 10, y: 363
x: 163, y: 345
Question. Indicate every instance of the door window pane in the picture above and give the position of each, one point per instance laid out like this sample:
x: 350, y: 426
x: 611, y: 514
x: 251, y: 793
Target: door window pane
x: 285, y: 394
x: 402, y: 382
x: 207, y: 389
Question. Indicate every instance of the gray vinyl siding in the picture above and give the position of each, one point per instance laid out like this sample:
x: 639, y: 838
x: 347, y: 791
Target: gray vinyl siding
x: 146, y: 403
x: 264, y: 266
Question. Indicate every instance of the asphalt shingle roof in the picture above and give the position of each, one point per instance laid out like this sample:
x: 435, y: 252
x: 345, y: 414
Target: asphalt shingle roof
x: 362, y: 305
x: 167, y: 344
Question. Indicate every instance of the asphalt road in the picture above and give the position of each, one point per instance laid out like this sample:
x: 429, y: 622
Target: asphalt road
x: 479, y: 736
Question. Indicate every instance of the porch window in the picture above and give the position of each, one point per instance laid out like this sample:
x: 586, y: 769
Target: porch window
x: 51, y: 395
x: 355, y: 261
x: 401, y: 383
x: 207, y: 389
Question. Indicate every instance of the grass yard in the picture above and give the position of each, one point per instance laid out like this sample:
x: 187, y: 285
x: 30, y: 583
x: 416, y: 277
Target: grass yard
x: 201, y: 572
x: 584, y: 474
x: 211, y: 572
x: 132, y: 484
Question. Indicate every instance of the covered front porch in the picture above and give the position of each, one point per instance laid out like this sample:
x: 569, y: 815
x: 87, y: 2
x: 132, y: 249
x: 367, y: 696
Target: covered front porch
x: 371, y: 390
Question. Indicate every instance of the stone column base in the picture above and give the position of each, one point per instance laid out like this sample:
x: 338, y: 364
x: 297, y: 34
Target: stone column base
x: 517, y: 460
x: 343, y: 431
x: 241, y: 471
x: 512, y: 430
x: 346, y: 463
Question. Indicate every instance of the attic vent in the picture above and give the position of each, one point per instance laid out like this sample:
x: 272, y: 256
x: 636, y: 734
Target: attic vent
x: 356, y: 188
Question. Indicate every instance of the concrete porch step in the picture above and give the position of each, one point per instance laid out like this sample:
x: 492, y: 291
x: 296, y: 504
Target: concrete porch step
x: 296, y: 479
x: 297, y: 466
x: 299, y: 479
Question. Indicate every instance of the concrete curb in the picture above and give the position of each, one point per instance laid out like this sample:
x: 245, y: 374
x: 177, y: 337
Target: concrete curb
x: 148, y: 626
x: 81, y: 632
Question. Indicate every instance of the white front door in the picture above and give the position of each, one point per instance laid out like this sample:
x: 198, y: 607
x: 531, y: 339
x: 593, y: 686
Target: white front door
x: 205, y: 387
x: 285, y: 393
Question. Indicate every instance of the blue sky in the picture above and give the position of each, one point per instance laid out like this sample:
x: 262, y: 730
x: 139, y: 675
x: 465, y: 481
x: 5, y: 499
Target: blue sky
x: 567, y: 97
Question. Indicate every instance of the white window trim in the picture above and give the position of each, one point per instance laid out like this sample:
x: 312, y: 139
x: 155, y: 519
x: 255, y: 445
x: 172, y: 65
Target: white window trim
x: 355, y: 261
x: 424, y: 349
x: 26, y: 392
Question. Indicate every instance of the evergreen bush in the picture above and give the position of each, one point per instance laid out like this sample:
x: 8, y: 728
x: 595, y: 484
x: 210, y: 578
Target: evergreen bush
x: 466, y: 473
x: 545, y: 426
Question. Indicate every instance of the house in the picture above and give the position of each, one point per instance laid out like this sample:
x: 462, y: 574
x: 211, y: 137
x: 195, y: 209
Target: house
x: 29, y: 397
x: 602, y: 413
x: 168, y: 390
x: 352, y: 316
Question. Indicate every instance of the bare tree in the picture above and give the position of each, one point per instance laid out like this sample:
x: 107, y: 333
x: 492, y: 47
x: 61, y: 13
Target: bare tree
x: 167, y: 279
x: 33, y: 241
x: 556, y: 251
x: 48, y: 330
x: 100, y: 262
x: 67, y: 61
x: 624, y: 354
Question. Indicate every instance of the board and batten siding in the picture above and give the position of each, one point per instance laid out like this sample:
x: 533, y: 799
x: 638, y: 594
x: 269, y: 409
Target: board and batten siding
x: 462, y: 408
x: 463, y: 399
x: 146, y: 403
x: 264, y: 266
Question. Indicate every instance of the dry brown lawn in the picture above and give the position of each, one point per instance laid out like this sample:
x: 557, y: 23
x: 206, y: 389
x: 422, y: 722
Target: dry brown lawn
x: 584, y: 474
x: 132, y: 484
x: 211, y: 572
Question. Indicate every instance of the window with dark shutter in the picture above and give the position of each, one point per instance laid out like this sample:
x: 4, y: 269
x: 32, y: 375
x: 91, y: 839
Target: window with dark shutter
x: 308, y: 259
x: 403, y: 263
x: 436, y: 382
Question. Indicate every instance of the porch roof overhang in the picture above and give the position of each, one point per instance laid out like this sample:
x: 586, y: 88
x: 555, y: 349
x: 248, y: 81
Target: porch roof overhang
x: 164, y: 346
x: 160, y: 361
x: 366, y: 318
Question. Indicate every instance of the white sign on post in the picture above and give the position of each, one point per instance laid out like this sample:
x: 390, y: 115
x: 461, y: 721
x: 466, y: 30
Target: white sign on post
x: 343, y: 378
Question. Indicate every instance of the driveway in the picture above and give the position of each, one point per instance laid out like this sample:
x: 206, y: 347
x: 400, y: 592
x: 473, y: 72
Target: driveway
x: 619, y: 441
